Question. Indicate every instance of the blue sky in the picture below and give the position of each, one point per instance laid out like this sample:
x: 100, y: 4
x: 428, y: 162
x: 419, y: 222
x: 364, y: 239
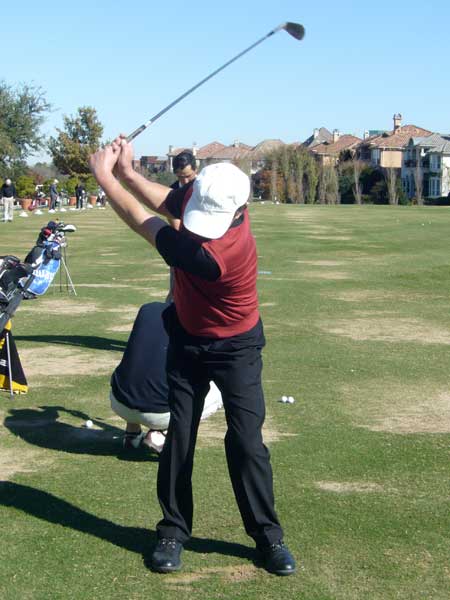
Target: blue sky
x: 359, y: 63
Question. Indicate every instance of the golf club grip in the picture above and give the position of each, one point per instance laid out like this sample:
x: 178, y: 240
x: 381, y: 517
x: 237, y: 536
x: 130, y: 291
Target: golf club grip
x: 136, y: 132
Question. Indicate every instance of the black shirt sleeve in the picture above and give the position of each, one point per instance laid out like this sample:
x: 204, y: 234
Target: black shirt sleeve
x: 179, y: 250
x: 174, y: 200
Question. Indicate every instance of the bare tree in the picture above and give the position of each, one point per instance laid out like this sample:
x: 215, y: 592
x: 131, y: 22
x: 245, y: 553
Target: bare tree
x: 391, y: 177
x: 293, y: 174
x: 274, y: 180
x: 299, y: 170
x: 418, y: 181
x: 291, y: 188
x: 322, y: 188
x: 357, y: 187
x: 328, y: 185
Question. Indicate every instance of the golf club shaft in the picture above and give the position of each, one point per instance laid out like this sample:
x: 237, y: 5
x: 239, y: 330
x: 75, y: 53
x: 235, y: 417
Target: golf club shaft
x: 143, y: 127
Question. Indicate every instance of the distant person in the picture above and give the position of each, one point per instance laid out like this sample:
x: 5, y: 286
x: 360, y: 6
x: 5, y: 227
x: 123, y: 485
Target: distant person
x: 139, y: 389
x: 185, y: 168
x: 79, y: 193
x: 101, y: 198
x: 7, y: 195
x: 53, y: 196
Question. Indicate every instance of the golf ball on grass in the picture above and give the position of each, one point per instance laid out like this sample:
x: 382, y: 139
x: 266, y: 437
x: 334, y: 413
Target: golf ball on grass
x: 287, y: 399
x: 89, y: 424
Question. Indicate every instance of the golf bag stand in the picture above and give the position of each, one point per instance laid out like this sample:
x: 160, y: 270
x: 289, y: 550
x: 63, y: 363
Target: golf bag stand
x: 69, y: 281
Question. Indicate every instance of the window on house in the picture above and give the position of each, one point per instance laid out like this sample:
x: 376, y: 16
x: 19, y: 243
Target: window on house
x: 435, y: 162
x: 435, y: 186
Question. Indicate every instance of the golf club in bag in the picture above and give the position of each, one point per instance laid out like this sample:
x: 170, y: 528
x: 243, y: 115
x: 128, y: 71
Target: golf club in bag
x: 296, y: 30
x: 32, y: 277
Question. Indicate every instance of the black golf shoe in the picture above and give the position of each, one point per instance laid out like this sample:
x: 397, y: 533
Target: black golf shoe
x: 166, y: 555
x: 277, y: 559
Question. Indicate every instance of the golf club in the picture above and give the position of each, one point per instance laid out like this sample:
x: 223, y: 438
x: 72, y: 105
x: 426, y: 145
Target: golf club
x: 295, y: 29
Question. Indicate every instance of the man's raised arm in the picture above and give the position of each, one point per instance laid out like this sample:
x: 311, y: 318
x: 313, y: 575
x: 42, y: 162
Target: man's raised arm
x: 150, y: 193
x: 103, y: 163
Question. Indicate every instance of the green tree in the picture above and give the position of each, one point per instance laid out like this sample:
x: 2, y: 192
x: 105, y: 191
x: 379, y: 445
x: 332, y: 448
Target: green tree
x: 25, y: 186
x: 71, y: 148
x: 22, y: 112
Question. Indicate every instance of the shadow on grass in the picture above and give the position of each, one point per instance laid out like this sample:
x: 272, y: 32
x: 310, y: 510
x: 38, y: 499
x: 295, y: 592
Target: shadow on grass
x: 84, y: 341
x: 41, y: 427
x: 52, y: 509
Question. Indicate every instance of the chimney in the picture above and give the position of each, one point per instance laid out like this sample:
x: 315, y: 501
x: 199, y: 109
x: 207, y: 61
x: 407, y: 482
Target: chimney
x: 397, y: 121
x: 194, y: 148
x: 170, y: 149
x: 236, y: 143
x: 336, y: 135
x: 366, y: 134
x: 316, y: 133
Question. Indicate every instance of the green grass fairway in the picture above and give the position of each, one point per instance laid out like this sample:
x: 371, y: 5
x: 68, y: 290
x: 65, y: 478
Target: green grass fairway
x: 355, y: 302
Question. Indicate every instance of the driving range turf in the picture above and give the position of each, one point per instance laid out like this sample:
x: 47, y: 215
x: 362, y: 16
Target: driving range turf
x: 355, y: 302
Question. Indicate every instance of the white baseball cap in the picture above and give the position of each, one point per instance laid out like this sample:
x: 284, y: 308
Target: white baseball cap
x: 218, y: 192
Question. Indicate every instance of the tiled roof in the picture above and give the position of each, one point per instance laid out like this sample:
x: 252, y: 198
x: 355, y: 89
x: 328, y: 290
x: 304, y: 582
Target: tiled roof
x: 232, y: 152
x: 323, y: 135
x: 343, y: 143
x: 209, y: 150
x: 434, y: 142
x: 265, y: 147
x: 400, y: 137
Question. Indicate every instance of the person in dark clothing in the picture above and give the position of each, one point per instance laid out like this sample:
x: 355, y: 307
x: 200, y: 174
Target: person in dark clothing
x: 53, y: 195
x: 139, y: 389
x: 7, y: 195
x: 185, y: 168
x: 215, y: 333
x: 79, y: 193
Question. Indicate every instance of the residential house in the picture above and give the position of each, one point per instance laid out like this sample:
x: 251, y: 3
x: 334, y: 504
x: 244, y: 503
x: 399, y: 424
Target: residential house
x: 205, y: 154
x: 258, y: 154
x: 426, y: 163
x: 329, y: 153
x: 386, y: 150
x: 320, y: 135
x: 235, y: 153
x: 251, y: 158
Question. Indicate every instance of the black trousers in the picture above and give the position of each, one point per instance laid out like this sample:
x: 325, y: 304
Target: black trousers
x: 235, y: 365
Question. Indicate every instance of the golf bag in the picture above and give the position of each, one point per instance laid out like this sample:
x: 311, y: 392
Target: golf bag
x: 32, y: 277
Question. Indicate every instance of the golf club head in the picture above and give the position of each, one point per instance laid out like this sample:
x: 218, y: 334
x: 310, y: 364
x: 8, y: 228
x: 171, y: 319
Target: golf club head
x: 295, y: 29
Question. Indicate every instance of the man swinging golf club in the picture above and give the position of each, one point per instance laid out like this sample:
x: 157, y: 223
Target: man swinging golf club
x: 215, y: 333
